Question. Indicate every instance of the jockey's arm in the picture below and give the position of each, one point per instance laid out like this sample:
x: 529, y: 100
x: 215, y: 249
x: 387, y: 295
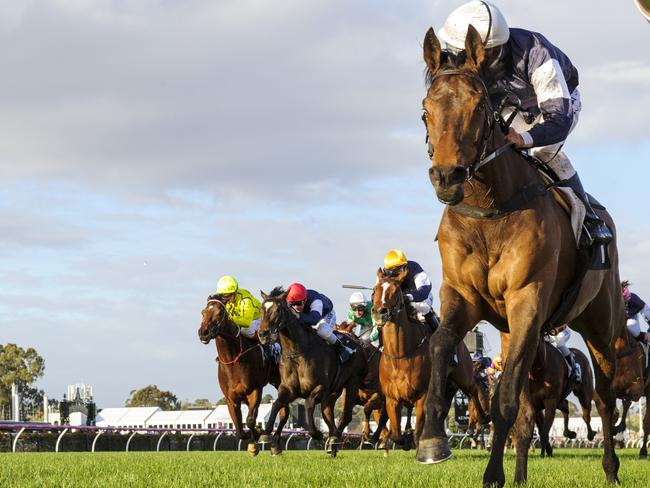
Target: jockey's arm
x: 249, y: 312
x: 646, y: 313
x: 554, y: 102
x: 422, y: 288
x: 315, y: 313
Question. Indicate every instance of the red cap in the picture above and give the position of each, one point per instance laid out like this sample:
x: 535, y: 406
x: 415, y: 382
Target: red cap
x: 296, y: 293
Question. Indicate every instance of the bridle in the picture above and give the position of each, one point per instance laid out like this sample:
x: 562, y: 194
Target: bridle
x: 492, y: 116
x: 214, y: 328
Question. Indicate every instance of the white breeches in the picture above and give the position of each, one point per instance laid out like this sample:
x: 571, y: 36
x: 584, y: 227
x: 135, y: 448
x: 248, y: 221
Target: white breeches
x: 552, y: 154
x: 250, y: 331
x: 325, y: 328
x: 559, y: 340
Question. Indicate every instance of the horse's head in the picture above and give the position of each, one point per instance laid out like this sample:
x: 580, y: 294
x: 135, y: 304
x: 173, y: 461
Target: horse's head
x: 275, y: 315
x: 458, y: 115
x: 387, y: 297
x: 214, y: 319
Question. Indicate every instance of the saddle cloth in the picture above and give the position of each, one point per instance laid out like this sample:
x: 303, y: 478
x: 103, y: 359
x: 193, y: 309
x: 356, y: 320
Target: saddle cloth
x: 574, y: 208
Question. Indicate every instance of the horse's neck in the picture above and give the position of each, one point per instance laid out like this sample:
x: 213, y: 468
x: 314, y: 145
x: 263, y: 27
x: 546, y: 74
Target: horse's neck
x: 227, y: 347
x: 499, y: 179
x: 294, y: 337
x: 400, y: 336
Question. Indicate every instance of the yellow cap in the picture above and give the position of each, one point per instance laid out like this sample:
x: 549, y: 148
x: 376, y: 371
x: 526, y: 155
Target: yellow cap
x: 394, y: 258
x: 227, y: 285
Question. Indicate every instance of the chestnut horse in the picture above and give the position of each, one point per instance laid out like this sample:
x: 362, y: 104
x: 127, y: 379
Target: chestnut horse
x: 309, y: 369
x: 405, y: 365
x: 632, y: 382
x: 508, y: 254
x: 242, y: 371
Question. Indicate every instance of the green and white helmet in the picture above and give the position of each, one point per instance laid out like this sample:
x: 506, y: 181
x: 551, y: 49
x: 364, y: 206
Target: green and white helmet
x: 486, y: 19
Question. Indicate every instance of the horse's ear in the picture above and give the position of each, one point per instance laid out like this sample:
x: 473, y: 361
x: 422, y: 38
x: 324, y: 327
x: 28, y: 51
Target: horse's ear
x: 474, y: 48
x: 264, y: 296
x: 380, y: 273
x: 432, y: 51
x: 283, y: 296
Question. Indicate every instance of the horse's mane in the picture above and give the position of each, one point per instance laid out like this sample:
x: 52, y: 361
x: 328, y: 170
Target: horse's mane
x: 276, y: 292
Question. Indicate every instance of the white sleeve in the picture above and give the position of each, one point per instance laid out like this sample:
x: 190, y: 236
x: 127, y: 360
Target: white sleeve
x: 316, y: 306
x: 646, y: 313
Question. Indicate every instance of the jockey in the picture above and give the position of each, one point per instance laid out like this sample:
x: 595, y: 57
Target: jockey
x: 526, y: 64
x: 495, y: 369
x: 244, y: 310
x: 416, y: 287
x: 558, y: 337
x: 317, y: 311
x: 481, y: 364
x: 360, y: 314
x: 635, y: 306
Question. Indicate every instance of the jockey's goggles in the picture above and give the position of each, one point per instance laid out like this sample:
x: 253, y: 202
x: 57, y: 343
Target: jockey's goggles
x: 297, y: 304
x: 392, y: 272
x: 358, y: 308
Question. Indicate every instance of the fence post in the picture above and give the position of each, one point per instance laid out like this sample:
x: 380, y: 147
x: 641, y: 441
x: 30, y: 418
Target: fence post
x: 58, y: 441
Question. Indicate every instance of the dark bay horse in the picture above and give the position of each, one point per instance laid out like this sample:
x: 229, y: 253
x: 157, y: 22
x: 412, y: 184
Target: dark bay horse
x: 508, y: 254
x: 242, y: 371
x: 549, y: 386
x: 632, y: 382
x: 309, y: 369
x: 405, y: 365
x: 369, y: 396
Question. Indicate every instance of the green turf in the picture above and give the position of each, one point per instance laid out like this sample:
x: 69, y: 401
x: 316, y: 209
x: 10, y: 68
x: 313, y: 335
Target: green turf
x: 568, y: 468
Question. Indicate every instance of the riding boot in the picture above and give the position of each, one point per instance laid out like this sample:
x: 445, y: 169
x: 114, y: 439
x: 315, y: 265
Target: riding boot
x: 576, y: 373
x: 343, y: 352
x: 598, y: 231
x: 432, y: 321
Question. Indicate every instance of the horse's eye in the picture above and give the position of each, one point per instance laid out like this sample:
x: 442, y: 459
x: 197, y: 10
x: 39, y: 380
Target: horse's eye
x: 480, y: 108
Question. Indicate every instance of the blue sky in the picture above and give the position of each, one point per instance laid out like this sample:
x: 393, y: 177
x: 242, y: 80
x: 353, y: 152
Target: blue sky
x: 149, y: 147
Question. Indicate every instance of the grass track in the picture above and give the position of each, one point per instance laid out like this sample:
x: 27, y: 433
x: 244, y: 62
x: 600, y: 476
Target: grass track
x: 568, y: 468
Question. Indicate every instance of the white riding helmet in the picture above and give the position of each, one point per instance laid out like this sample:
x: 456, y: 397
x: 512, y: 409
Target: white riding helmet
x: 486, y: 19
x: 358, y: 298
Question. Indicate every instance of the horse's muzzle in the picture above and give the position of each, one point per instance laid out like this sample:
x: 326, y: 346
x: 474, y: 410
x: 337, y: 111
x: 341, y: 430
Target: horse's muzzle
x: 448, y: 183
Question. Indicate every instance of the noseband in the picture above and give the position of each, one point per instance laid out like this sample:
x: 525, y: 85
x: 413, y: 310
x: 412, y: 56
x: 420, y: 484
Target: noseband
x: 393, y: 312
x: 491, y: 116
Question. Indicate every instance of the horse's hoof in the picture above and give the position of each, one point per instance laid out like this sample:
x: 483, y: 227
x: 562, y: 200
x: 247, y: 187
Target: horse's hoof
x: 332, y: 444
x: 253, y: 449
x: 569, y: 434
x: 276, y: 451
x: 643, y: 455
x: 433, y: 451
x: 264, y: 439
x: 386, y: 453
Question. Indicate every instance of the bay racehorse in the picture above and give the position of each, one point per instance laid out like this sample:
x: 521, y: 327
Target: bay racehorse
x: 243, y: 372
x: 632, y: 382
x: 369, y: 396
x: 405, y: 364
x: 309, y: 369
x: 549, y: 386
x: 508, y: 254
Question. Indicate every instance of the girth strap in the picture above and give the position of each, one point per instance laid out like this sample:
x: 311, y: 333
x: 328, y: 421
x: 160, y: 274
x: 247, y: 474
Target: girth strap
x: 517, y: 202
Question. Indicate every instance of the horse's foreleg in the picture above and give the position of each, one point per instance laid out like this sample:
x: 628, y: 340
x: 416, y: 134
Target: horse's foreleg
x: 523, y: 339
x: 234, y: 409
x: 276, y: 444
x: 310, y: 405
x: 253, y: 400
x: 419, y: 418
x: 349, y: 401
x: 523, y: 433
x: 284, y: 398
x: 547, y: 422
x: 603, y: 358
x: 622, y: 424
x: 643, y: 453
x: 394, y: 411
x: 334, y: 437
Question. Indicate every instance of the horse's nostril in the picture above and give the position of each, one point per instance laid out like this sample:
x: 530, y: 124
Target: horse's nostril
x: 383, y: 310
x: 457, y: 174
